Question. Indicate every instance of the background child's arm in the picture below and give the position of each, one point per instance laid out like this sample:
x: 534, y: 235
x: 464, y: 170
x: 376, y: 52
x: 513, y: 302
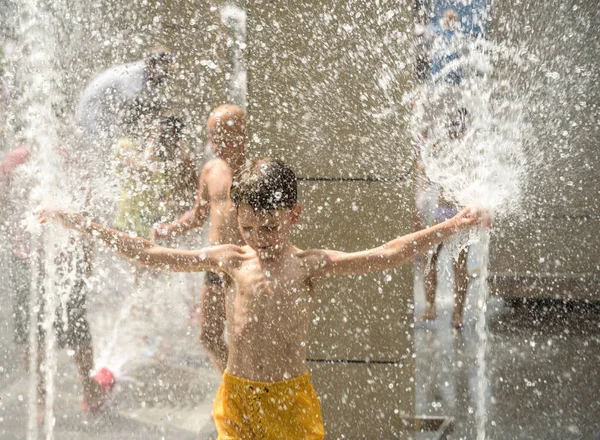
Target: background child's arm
x: 194, y: 218
x: 218, y: 258
x: 395, y: 252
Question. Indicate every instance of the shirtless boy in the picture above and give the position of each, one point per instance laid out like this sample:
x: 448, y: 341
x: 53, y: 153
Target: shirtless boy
x: 266, y: 390
x: 227, y: 138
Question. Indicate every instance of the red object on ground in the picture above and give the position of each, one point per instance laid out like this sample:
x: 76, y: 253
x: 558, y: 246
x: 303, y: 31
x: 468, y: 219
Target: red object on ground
x: 106, y: 379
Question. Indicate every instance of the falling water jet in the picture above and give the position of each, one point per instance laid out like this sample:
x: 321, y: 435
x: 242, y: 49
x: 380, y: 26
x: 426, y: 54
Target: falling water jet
x: 33, y: 339
x: 477, y: 144
x: 38, y: 71
x: 234, y: 18
x: 483, y: 292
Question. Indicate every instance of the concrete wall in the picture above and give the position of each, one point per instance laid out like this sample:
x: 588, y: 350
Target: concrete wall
x: 314, y: 100
x: 551, y: 250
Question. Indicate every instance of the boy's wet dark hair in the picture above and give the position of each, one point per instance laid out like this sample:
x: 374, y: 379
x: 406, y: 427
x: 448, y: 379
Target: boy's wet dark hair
x: 266, y: 185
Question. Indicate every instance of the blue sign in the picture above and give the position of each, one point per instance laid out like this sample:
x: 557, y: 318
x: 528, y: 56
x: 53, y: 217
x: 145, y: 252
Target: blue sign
x: 451, y: 17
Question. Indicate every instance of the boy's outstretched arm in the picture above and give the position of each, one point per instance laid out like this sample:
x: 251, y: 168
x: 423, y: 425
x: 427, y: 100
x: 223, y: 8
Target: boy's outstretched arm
x: 395, y: 252
x: 219, y: 258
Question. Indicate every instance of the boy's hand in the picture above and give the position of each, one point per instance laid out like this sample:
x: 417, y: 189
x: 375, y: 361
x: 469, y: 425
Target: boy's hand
x: 71, y: 221
x: 471, y: 217
x: 46, y: 216
x: 160, y: 230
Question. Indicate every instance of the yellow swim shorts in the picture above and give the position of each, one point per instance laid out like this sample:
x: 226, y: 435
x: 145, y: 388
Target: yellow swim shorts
x: 250, y: 410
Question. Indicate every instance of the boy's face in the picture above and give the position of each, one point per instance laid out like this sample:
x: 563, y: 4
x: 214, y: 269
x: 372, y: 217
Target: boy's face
x: 268, y: 233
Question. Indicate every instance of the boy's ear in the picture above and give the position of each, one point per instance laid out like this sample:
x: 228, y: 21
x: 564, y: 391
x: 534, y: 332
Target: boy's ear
x: 296, y: 213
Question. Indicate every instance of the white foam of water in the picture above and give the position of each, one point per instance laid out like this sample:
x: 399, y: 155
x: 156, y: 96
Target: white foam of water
x: 487, y: 164
x: 33, y: 342
x: 475, y: 141
x: 129, y: 320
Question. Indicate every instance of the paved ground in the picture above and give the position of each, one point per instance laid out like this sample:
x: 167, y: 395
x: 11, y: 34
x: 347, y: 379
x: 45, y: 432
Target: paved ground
x: 542, y: 368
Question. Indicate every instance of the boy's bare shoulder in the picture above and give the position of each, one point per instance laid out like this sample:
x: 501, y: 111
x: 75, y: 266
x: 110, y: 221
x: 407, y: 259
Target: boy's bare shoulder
x: 231, y: 255
x: 217, y: 176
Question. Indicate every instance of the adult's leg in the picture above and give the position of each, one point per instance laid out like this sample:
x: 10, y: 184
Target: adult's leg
x: 19, y: 289
x: 19, y: 276
x: 461, y: 282
x: 77, y: 335
x: 430, y: 281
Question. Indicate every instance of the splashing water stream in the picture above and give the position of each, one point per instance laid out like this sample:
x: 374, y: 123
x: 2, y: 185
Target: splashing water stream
x: 33, y: 341
x: 234, y: 18
x: 51, y: 274
x: 477, y: 145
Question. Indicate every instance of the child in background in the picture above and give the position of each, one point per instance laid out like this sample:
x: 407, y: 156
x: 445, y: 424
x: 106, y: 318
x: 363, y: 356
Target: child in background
x: 443, y: 211
x: 227, y: 139
x: 157, y: 179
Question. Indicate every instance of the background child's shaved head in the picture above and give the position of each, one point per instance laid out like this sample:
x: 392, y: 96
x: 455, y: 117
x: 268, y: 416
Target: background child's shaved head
x: 227, y: 127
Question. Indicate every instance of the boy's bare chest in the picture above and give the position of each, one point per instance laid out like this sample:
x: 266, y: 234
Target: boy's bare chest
x: 265, y: 297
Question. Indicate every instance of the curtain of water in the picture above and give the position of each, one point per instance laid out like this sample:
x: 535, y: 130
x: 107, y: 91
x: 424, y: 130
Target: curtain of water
x: 472, y: 143
x: 48, y: 368
x: 38, y: 72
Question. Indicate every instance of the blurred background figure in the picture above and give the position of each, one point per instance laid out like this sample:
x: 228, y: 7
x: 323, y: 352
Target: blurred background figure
x: 157, y: 176
x: 435, y: 53
x: 113, y: 100
x: 227, y: 139
x: 436, y: 208
x: 113, y: 96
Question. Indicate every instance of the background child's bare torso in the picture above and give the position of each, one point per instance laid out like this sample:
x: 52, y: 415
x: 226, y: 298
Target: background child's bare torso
x: 224, y: 228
